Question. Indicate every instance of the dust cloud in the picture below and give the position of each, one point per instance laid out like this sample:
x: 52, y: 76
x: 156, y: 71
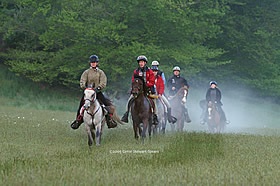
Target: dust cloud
x: 245, y: 111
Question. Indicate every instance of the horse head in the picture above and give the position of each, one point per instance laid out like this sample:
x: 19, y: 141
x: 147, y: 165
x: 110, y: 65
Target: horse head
x: 210, y: 108
x: 182, y: 94
x: 89, y: 97
x: 137, y: 87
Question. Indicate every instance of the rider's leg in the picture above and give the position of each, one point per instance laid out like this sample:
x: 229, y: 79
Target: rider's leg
x: 170, y: 118
x: 155, y: 118
x: 79, y: 118
x: 125, y: 116
x: 223, y: 115
x: 110, y: 108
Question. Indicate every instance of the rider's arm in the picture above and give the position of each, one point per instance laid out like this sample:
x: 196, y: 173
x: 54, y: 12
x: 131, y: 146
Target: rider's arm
x: 83, y: 79
x: 102, y: 80
x: 150, y: 78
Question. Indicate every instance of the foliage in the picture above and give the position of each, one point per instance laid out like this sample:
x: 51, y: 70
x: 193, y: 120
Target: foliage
x: 230, y: 41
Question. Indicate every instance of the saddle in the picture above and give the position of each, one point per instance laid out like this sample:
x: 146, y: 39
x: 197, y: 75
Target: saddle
x: 152, y: 103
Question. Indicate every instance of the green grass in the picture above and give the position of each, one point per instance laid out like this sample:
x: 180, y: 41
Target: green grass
x: 39, y: 148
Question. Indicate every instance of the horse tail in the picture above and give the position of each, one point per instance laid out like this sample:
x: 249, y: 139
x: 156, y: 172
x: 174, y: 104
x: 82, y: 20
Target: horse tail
x: 116, y: 118
x: 112, y: 110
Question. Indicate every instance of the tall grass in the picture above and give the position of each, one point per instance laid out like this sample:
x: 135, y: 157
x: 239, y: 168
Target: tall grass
x: 39, y: 148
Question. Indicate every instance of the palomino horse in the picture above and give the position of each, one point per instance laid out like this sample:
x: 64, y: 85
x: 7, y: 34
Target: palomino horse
x: 141, y: 110
x: 94, y: 117
x: 214, y: 122
x: 177, y: 103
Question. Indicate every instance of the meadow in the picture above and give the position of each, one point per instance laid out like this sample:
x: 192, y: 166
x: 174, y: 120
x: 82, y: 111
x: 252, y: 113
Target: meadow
x: 38, y: 147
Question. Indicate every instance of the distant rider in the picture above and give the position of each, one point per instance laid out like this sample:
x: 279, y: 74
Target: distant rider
x: 160, y: 72
x: 174, y: 84
x: 214, y: 95
x: 159, y: 91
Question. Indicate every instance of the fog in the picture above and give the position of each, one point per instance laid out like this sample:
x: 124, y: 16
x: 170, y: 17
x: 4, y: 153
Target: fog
x: 247, y: 113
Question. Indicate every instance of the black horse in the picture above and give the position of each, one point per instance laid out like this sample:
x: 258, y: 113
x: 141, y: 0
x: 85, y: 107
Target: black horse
x: 141, y: 109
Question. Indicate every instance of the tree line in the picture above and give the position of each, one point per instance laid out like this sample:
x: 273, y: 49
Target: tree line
x: 231, y: 41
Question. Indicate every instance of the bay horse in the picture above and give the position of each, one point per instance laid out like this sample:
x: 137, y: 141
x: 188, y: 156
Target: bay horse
x: 141, y: 110
x: 214, y: 122
x: 177, y: 103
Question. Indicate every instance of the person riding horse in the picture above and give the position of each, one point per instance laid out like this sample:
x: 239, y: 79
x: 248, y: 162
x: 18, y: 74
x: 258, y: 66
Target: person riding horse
x: 214, y: 95
x: 95, y: 77
x: 159, y: 72
x: 176, y: 82
x: 159, y: 86
x: 147, y: 75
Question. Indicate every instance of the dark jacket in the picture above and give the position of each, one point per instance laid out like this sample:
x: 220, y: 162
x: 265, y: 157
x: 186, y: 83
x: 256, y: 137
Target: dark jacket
x: 214, y: 94
x: 177, y: 82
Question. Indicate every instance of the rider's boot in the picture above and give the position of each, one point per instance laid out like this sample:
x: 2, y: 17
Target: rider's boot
x: 125, y: 117
x: 187, y: 117
x: 170, y: 118
x: 155, y: 119
x: 76, y: 124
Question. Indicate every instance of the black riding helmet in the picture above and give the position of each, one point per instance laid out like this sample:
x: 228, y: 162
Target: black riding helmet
x: 93, y: 58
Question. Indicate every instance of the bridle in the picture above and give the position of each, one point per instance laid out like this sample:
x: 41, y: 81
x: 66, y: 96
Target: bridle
x: 89, y: 101
x: 136, y: 88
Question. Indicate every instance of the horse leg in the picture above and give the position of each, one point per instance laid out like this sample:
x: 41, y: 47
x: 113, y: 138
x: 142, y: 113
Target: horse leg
x: 98, y: 134
x: 143, y: 134
x: 135, y: 128
x: 90, y: 138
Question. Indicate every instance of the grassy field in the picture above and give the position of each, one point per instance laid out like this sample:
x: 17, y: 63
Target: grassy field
x: 39, y: 148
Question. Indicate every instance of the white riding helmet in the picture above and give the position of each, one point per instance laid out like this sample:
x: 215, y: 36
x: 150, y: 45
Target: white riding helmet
x: 176, y: 68
x: 155, y: 63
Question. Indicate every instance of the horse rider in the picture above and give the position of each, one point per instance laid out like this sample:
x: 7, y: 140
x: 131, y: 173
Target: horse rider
x: 159, y: 87
x: 214, y: 95
x: 95, y: 77
x: 160, y: 73
x: 174, y: 84
x: 149, y: 81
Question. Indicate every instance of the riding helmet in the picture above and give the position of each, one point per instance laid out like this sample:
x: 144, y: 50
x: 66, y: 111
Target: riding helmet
x: 93, y: 58
x: 176, y: 68
x: 155, y: 63
x: 154, y: 68
x: 213, y: 82
x: 142, y: 58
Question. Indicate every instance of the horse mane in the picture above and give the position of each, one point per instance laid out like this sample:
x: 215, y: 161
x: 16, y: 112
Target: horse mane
x: 182, y: 88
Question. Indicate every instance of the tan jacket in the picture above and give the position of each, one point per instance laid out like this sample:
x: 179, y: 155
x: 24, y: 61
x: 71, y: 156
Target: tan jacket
x: 95, y: 77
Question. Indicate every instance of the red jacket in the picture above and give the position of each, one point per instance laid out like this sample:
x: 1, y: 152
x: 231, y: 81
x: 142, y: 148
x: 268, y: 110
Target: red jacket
x: 159, y: 85
x: 150, y: 78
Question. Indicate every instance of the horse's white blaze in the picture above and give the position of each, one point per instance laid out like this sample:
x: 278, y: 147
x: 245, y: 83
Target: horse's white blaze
x: 209, y: 113
x: 184, y: 100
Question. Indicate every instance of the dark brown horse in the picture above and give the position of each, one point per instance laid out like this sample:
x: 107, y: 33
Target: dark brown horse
x: 141, y: 110
x: 177, y: 103
x: 214, y: 122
